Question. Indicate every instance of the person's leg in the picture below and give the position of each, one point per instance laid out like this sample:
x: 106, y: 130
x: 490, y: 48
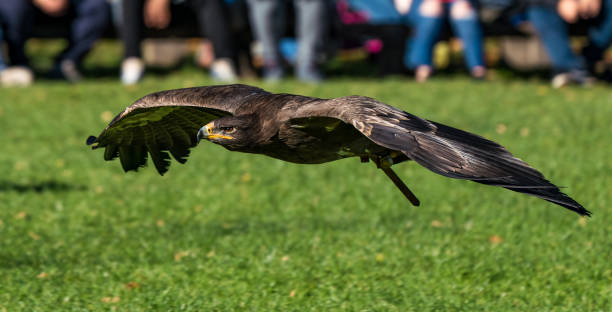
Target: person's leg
x: 131, y: 33
x: 553, y: 33
x: 600, y: 34
x: 214, y: 25
x: 410, y: 19
x: 311, y: 25
x: 263, y: 15
x: 390, y: 59
x: 428, y: 22
x: 212, y: 20
x: 568, y: 68
x: 132, y: 27
x: 2, y: 64
x: 17, y: 17
x: 465, y: 23
x: 91, y: 19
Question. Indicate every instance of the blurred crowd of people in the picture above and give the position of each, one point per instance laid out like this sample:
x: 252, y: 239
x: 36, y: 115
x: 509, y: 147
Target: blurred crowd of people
x: 405, y: 32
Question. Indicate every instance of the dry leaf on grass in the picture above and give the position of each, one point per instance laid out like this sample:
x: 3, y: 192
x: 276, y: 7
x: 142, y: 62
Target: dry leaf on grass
x: 436, y: 223
x: 20, y: 165
x: 106, y: 116
x: 132, y: 285
x: 180, y: 255
x: 246, y: 177
x: 495, y: 239
x: 33, y: 235
x: 60, y: 163
x: 114, y: 299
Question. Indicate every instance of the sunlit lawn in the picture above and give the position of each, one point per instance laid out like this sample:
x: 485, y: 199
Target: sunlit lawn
x: 230, y: 231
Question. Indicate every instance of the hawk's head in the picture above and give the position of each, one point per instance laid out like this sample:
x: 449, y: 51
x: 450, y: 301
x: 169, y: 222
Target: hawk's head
x: 233, y: 133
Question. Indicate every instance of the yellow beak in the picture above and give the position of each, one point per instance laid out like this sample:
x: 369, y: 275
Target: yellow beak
x: 206, y: 133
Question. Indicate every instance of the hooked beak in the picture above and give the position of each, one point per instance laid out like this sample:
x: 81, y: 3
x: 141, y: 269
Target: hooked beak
x: 206, y: 133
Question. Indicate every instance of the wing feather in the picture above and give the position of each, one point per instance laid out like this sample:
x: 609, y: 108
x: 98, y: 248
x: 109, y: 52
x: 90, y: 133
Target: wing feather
x: 167, y: 121
x: 111, y: 152
x: 442, y: 149
x: 132, y: 157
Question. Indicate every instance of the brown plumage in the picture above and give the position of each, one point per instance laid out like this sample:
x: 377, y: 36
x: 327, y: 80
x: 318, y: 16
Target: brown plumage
x: 309, y: 130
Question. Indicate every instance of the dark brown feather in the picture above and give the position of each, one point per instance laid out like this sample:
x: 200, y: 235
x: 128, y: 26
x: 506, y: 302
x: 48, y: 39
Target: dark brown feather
x: 304, y: 129
x: 442, y: 149
x: 167, y: 121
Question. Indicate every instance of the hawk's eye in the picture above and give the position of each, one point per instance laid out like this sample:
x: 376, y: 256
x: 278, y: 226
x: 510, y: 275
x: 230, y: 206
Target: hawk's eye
x: 227, y: 129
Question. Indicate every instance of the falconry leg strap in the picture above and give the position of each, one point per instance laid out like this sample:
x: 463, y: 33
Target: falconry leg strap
x: 384, y: 164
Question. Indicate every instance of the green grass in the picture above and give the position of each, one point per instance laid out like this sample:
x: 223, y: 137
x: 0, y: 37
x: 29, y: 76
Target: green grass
x: 230, y: 231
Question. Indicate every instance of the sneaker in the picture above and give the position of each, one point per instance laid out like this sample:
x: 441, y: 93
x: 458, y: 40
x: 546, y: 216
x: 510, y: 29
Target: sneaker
x: 478, y: 73
x: 422, y: 73
x: 309, y: 75
x: 572, y: 77
x: 273, y: 73
x: 223, y: 70
x: 67, y: 70
x: 132, y: 70
x: 16, y: 76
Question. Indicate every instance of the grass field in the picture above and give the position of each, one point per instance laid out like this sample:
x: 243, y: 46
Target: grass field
x: 235, y: 232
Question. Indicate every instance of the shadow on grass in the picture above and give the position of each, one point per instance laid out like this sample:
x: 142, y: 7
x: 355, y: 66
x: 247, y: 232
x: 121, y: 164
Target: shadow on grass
x: 39, y: 187
x: 194, y: 234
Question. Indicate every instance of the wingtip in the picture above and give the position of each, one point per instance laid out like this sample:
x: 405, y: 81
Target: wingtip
x: 91, y: 140
x: 577, y: 208
x: 161, y: 171
x: 585, y: 213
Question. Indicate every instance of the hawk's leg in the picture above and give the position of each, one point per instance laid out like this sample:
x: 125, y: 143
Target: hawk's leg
x: 384, y: 164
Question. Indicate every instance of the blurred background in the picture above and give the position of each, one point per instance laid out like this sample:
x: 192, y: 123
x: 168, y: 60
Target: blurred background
x: 561, y: 40
x: 233, y: 231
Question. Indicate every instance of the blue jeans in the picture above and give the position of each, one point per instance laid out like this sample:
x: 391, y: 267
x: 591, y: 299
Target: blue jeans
x: 379, y: 12
x: 310, y: 25
x: 600, y: 34
x: 427, y: 30
x: 2, y: 65
x: 553, y: 32
x: 90, y: 18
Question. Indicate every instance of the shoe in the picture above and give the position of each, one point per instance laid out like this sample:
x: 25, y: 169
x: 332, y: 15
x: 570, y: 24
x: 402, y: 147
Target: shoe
x: 16, y: 76
x: 67, y: 70
x: 132, y: 70
x: 422, y: 73
x: 309, y: 75
x: 222, y: 70
x: 273, y: 73
x: 573, y: 77
x: 478, y: 73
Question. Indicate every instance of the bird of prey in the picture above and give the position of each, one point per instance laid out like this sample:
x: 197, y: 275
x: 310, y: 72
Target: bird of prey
x: 309, y: 130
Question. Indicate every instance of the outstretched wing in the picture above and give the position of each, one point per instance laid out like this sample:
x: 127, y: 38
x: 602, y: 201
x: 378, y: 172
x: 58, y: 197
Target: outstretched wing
x: 442, y: 149
x: 166, y: 122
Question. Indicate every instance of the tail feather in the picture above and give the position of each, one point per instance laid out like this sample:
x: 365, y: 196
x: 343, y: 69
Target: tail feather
x: 458, y: 154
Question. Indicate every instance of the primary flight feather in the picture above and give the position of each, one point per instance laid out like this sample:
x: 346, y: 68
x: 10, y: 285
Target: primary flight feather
x: 309, y: 130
